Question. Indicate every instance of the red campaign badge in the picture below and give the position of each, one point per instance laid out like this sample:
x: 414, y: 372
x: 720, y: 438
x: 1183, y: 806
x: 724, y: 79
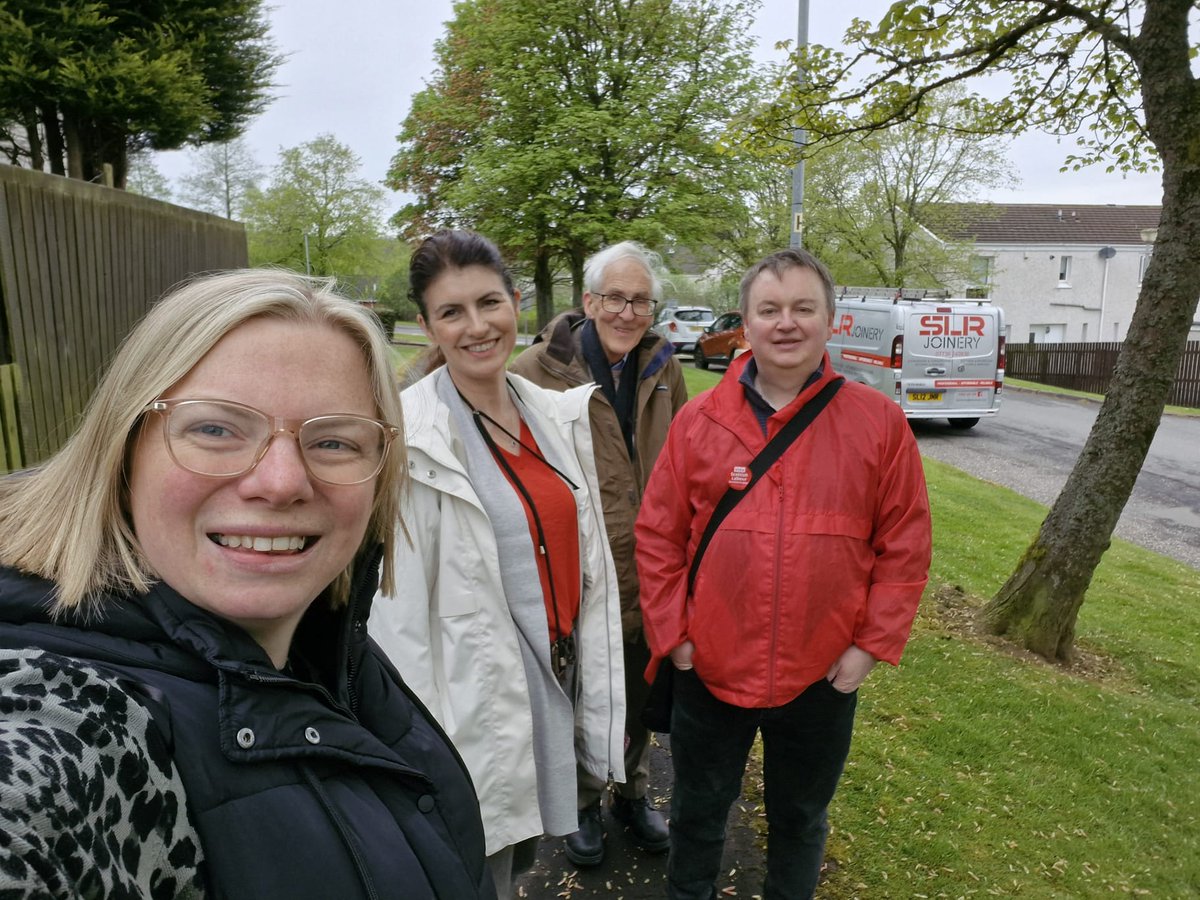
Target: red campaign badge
x: 739, y: 478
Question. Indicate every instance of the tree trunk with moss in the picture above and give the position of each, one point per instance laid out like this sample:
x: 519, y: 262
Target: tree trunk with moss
x: 1038, y: 605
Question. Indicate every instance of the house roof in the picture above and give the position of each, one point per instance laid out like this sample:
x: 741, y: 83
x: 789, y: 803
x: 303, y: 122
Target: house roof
x: 1043, y: 223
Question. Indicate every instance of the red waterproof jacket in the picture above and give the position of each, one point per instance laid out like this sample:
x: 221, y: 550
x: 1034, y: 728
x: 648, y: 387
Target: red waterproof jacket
x: 832, y: 548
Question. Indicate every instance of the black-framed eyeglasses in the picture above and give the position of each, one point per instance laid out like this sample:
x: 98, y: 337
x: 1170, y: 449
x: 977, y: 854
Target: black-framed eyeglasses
x: 615, y: 303
x: 223, y: 439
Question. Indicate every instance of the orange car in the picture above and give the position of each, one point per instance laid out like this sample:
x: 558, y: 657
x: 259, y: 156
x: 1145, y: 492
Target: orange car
x: 721, y: 341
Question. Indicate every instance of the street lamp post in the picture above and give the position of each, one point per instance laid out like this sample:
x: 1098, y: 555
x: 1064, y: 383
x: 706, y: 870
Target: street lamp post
x: 799, y: 136
x: 307, y: 263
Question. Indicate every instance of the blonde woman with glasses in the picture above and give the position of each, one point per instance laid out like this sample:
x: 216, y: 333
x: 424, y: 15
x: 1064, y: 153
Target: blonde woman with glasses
x: 189, y: 702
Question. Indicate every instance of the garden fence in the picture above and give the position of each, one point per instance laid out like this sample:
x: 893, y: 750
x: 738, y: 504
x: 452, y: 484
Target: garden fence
x: 1089, y: 367
x: 80, y: 263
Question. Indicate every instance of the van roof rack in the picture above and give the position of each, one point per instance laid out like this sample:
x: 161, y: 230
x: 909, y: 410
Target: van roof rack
x: 891, y: 293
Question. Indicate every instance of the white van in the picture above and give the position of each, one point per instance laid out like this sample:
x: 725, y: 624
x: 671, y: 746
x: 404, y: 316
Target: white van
x: 937, y: 358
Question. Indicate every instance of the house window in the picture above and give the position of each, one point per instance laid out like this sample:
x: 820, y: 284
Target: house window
x: 1142, y: 264
x: 1064, y: 271
x: 981, y: 278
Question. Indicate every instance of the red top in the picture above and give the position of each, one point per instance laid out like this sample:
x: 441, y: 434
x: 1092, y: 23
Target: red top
x: 558, y: 560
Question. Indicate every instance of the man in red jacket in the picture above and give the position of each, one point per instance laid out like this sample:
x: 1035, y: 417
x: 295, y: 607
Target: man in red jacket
x: 811, y: 579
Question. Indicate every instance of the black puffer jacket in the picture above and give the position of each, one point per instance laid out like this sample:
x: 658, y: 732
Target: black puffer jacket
x: 332, y: 782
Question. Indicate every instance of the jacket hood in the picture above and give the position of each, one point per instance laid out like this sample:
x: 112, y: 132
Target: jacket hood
x: 723, y: 401
x: 164, y: 630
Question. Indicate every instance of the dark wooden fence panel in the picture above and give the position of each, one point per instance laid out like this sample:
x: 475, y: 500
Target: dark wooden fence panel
x: 79, y: 265
x: 1089, y: 367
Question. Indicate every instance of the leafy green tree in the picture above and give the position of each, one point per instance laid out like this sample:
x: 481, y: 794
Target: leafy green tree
x: 90, y: 82
x: 758, y: 222
x: 870, y: 198
x: 555, y: 127
x: 317, y: 214
x: 1117, y: 76
x: 144, y: 177
x: 221, y: 177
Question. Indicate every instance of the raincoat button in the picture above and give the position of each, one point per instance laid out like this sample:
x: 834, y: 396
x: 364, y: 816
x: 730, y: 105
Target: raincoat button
x: 425, y: 803
x: 312, y: 735
x: 245, y: 738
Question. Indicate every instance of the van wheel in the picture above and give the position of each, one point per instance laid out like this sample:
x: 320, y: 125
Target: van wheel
x: 963, y: 424
x: 699, y: 358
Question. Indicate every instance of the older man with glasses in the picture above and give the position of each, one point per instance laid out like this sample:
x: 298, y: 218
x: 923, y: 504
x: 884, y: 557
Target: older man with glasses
x: 641, y: 388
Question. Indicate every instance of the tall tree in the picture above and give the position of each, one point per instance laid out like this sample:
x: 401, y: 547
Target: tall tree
x: 558, y: 126
x: 143, y: 177
x: 90, y: 82
x: 870, y: 197
x: 317, y: 214
x: 1117, y: 75
x: 221, y: 177
x: 759, y: 223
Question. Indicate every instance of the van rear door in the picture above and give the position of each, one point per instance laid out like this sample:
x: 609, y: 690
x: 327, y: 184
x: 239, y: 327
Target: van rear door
x: 951, y: 359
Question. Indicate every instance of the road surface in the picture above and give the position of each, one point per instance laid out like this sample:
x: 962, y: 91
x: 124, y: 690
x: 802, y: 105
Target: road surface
x: 1032, y: 444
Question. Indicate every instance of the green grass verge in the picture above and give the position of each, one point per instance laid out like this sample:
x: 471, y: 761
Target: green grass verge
x: 981, y: 771
x: 1068, y: 392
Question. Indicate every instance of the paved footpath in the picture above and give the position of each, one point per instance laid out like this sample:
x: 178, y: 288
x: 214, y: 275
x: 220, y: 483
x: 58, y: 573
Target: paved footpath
x: 628, y: 873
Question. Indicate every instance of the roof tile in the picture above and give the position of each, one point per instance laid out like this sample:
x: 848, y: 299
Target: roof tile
x: 1043, y: 223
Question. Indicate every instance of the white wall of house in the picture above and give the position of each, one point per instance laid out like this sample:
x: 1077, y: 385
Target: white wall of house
x: 1065, y: 292
x: 1093, y: 302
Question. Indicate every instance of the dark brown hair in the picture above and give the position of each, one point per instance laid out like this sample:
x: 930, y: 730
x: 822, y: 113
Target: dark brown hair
x: 778, y: 263
x: 452, y: 250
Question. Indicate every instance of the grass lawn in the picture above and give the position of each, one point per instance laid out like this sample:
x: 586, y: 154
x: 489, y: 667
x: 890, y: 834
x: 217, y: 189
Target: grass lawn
x: 978, y: 770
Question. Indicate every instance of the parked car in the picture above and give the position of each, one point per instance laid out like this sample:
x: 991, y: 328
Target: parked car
x: 681, y: 325
x: 721, y: 341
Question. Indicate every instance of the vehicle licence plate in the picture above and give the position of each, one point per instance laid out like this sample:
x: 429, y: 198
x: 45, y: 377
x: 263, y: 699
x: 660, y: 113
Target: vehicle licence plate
x: 919, y: 396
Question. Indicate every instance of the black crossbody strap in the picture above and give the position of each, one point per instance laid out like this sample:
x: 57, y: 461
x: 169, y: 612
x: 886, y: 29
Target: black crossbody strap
x: 759, y: 466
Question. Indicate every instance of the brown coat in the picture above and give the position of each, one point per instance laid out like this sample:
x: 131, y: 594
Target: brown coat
x: 555, y: 361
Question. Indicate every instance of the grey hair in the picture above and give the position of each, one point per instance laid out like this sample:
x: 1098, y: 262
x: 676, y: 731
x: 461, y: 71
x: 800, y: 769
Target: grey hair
x: 597, y: 264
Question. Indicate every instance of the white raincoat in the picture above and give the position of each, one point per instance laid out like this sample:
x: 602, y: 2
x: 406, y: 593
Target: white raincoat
x: 449, y: 632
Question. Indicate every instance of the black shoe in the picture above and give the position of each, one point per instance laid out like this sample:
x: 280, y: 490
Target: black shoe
x: 586, y: 846
x: 645, y: 823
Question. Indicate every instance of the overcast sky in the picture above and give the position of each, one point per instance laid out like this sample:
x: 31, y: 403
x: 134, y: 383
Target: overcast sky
x: 353, y: 66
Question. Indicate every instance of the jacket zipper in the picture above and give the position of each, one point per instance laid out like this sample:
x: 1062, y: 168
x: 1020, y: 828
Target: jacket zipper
x: 775, y: 599
x: 343, y: 829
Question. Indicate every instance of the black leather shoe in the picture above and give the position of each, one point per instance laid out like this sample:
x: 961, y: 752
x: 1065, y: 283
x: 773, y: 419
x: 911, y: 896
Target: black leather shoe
x: 645, y: 823
x: 586, y: 846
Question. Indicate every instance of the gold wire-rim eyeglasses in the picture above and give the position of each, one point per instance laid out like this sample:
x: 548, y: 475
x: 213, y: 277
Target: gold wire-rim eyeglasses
x: 203, y: 455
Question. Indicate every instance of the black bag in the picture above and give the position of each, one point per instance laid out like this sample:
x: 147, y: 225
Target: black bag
x: 656, y: 714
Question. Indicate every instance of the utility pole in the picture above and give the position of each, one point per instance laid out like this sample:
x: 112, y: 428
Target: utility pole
x: 799, y: 137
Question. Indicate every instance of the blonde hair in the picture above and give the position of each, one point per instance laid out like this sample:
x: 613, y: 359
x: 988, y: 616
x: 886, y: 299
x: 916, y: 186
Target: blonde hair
x: 68, y: 521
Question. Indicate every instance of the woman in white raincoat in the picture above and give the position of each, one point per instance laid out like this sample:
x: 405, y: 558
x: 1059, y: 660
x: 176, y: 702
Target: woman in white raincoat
x: 506, y: 619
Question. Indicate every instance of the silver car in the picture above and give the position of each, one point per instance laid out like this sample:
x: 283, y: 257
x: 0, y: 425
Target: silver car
x: 681, y: 325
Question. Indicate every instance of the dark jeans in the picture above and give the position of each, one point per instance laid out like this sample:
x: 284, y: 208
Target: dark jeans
x: 805, y: 744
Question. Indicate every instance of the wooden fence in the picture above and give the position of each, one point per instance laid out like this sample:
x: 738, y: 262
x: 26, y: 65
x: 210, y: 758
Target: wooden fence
x: 79, y: 265
x: 1088, y: 367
